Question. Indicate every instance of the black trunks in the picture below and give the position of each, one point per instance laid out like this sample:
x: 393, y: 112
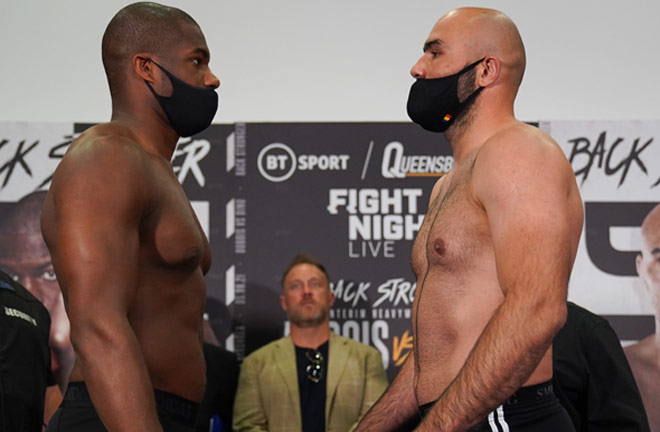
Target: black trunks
x: 530, y: 409
x: 77, y: 414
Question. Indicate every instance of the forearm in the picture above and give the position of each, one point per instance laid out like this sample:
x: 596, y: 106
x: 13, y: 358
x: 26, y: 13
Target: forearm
x: 508, y: 351
x: 396, y: 406
x: 116, y: 376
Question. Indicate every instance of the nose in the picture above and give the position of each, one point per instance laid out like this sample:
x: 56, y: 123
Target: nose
x: 26, y: 282
x: 418, y: 70
x: 31, y: 286
x: 211, y: 80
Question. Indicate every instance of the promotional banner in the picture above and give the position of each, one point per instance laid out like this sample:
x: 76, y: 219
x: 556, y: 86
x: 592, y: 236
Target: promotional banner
x: 353, y: 196
x: 617, y: 167
x: 29, y: 153
x: 617, y: 269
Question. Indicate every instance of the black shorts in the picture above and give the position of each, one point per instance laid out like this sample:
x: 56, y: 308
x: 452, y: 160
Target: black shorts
x: 77, y: 414
x: 530, y: 409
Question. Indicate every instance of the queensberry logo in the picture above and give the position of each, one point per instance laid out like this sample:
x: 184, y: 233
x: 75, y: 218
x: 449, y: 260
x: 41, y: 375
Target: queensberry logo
x: 396, y: 164
x: 277, y: 162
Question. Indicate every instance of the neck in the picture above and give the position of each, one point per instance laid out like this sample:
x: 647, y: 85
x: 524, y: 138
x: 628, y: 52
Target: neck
x: 310, y: 337
x: 475, y: 127
x: 149, y: 125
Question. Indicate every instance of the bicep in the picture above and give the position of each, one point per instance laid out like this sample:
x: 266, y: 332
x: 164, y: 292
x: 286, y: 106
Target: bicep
x: 98, y: 264
x: 529, y: 206
x: 97, y: 240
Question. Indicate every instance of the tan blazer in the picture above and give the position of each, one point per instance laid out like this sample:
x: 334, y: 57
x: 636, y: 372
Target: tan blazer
x: 268, y: 398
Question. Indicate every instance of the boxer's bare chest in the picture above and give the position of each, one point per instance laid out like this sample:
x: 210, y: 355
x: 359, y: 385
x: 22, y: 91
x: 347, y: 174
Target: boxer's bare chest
x: 172, y: 233
x: 452, y: 240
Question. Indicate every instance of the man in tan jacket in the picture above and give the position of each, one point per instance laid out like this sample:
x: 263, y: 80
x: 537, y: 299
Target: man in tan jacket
x: 312, y: 380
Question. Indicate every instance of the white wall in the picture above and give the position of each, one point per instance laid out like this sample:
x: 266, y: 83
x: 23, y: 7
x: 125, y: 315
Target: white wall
x: 341, y: 60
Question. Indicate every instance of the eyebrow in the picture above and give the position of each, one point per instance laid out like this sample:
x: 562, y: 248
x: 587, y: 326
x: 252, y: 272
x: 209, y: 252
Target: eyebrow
x: 432, y: 44
x: 45, y: 266
x: 204, y: 52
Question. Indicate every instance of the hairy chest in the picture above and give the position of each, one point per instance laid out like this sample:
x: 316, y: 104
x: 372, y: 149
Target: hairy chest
x: 455, y: 234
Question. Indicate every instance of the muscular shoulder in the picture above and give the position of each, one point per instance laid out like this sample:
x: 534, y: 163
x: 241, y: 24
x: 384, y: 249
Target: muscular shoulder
x: 520, y: 148
x: 523, y: 163
x: 102, y: 151
x: 101, y: 166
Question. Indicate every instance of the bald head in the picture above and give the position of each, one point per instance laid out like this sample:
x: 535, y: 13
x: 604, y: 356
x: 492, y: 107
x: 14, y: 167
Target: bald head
x: 651, y: 231
x: 483, y: 32
x: 143, y: 27
x: 648, y: 261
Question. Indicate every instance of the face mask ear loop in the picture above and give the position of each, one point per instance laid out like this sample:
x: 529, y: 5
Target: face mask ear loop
x: 159, y: 66
x: 469, y: 99
x: 149, y: 85
x: 149, y: 59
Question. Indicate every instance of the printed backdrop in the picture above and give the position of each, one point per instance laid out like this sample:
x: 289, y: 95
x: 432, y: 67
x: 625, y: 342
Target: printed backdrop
x: 353, y: 195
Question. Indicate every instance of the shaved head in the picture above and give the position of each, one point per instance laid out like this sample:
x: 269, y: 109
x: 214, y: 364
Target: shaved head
x: 140, y: 27
x: 648, y: 261
x: 651, y: 234
x: 651, y: 224
x: 488, y: 32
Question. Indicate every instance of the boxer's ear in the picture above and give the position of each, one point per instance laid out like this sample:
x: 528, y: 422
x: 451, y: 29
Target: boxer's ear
x: 488, y: 71
x: 144, y: 67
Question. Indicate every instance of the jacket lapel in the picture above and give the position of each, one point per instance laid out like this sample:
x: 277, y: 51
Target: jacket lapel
x: 338, y: 354
x: 285, y: 359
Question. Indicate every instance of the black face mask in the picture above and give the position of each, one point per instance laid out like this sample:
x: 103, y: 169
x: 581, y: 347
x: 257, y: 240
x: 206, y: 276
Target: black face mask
x: 433, y: 103
x: 190, y: 109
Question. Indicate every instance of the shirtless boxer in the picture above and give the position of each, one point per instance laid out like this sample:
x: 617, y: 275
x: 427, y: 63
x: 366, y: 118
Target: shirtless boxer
x: 644, y: 356
x: 128, y: 251
x: 495, y: 251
